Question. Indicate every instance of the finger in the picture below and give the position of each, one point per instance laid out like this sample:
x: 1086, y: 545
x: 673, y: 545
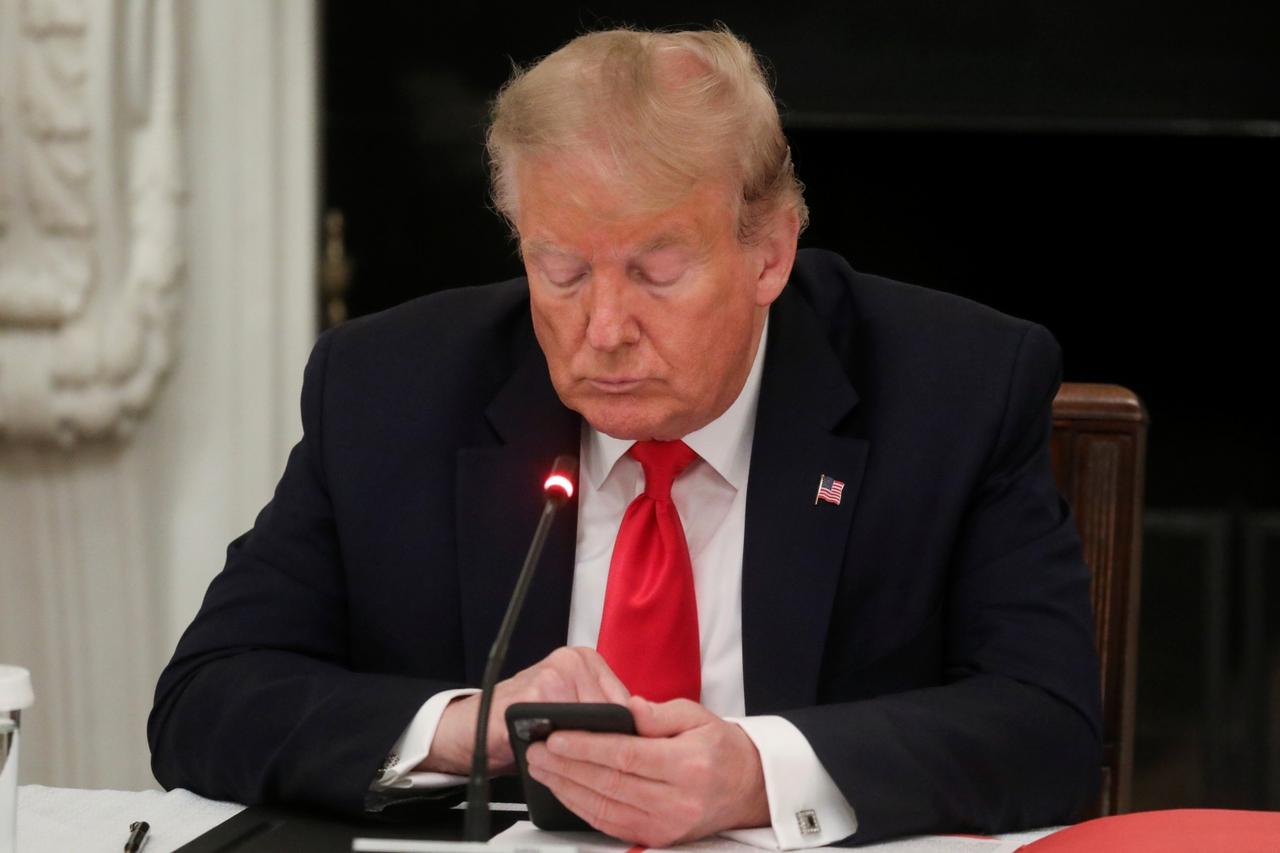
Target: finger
x: 645, y: 794
x: 666, y: 719
x: 610, y: 685
x: 536, y: 684
x: 621, y: 820
x: 642, y: 757
x: 545, y: 682
x: 574, y: 666
x: 591, y: 676
x: 587, y: 690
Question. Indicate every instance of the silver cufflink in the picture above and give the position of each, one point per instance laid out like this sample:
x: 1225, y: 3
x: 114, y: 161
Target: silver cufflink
x: 808, y: 820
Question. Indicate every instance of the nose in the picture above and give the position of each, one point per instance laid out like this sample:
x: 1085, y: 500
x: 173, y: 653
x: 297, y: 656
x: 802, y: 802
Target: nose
x: 611, y: 324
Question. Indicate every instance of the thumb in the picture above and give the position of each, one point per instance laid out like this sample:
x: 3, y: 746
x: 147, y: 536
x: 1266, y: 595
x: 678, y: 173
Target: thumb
x: 666, y: 719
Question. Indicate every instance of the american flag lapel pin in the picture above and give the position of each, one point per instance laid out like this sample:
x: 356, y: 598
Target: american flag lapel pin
x: 829, y: 490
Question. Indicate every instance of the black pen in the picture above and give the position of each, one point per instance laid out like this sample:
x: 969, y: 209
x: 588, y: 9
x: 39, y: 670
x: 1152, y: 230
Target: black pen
x: 137, y: 836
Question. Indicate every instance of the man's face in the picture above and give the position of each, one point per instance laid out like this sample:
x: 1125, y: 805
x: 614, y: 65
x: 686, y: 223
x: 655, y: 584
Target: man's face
x: 649, y: 321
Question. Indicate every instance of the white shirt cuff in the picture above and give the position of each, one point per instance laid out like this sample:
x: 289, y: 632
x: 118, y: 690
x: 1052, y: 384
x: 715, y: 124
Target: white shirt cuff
x: 805, y: 806
x: 415, y: 745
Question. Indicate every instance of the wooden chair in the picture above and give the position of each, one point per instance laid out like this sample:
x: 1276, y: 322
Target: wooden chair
x: 1099, y: 447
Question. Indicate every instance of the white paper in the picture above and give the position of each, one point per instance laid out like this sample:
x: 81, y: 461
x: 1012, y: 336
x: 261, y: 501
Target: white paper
x: 56, y: 820
x: 393, y: 845
x: 525, y: 834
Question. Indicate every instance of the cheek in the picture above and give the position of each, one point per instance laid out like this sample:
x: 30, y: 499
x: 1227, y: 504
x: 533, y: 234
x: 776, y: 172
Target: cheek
x: 719, y: 341
x: 556, y: 326
x: 701, y: 344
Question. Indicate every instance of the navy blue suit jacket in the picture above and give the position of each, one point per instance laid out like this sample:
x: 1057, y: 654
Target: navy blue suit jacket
x: 931, y: 635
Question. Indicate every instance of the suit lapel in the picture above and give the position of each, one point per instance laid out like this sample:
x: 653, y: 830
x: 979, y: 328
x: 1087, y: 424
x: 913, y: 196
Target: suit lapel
x: 499, y: 499
x: 794, y: 550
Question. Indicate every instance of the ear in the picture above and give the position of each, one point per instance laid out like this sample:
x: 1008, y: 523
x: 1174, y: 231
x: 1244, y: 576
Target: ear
x: 774, y: 255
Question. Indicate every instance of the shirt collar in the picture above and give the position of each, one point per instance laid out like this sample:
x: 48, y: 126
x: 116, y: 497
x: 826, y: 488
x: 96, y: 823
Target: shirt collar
x: 725, y: 443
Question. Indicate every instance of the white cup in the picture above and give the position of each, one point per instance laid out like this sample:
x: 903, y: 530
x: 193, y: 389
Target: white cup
x: 15, y: 695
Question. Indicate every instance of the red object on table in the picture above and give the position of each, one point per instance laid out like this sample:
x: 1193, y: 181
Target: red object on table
x: 1173, y: 831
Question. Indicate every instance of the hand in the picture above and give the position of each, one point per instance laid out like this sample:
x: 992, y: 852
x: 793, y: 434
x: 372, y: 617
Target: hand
x: 690, y: 774
x: 569, y: 674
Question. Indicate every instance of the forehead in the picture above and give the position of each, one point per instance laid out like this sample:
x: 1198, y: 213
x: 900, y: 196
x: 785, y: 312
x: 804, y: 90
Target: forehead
x: 571, y: 205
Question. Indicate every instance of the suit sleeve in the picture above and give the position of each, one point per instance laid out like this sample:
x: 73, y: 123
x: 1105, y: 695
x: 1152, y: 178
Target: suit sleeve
x: 259, y: 702
x: 1011, y: 738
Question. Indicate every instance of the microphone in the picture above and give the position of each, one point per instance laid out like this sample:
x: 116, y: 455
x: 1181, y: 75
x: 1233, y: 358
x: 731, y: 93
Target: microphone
x: 559, y: 487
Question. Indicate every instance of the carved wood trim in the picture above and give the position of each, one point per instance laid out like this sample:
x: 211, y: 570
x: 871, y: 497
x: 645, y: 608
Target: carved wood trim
x: 1099, y: 454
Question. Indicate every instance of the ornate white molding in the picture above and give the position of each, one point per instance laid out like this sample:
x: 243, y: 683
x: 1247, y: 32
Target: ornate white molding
x: 91, y: 248
x: 129, y: 533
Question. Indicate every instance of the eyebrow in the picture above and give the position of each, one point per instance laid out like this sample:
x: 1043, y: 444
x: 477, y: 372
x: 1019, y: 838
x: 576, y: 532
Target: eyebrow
x: 543, y: 247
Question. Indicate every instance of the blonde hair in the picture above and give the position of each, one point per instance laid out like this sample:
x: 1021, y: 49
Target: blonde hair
x: 659, y: 110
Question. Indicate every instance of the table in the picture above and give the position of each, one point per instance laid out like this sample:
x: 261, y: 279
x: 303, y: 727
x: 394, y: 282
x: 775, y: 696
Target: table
x: 57, y: 820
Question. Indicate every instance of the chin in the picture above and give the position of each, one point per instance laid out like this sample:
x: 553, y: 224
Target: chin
x: 628, y: 419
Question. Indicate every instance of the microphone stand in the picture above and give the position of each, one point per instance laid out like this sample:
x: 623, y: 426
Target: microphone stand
x: 559, y: 488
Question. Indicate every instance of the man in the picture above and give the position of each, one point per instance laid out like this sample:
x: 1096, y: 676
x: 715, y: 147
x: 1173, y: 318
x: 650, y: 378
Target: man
x: 818, y: 553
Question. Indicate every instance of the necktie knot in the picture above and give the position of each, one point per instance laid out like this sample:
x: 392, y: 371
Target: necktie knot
x: 662, y: 462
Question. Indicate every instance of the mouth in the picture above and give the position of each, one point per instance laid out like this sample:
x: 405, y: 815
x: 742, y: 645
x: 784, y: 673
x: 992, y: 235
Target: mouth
x: 619, y: 385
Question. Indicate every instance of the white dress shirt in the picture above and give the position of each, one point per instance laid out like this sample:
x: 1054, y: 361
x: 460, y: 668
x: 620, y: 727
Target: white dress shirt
x: 805, y: 806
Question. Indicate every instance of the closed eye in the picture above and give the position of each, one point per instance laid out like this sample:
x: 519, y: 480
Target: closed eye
x: 662, y: 266
x: 564, y: 275
x: 645, y: 277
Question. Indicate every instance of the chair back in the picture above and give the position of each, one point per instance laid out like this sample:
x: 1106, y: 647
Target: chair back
x: 1099, y: 447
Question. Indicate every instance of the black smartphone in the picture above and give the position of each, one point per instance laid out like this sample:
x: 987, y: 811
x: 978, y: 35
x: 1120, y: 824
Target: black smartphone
x: 533, y: 721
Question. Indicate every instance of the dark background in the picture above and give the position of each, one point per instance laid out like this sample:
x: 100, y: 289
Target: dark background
x: 1109, y: 169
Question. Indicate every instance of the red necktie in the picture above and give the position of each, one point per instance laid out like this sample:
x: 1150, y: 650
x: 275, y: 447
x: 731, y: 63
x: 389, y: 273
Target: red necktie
x: 649, y: 630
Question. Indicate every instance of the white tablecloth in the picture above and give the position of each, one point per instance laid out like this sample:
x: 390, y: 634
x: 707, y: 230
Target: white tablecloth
x: 71, y: 820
